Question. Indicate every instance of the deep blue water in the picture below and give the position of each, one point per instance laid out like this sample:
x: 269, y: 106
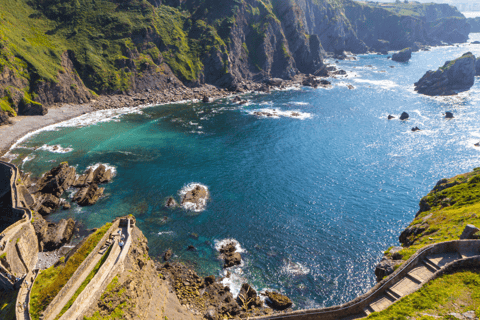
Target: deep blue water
x: 313, y: 202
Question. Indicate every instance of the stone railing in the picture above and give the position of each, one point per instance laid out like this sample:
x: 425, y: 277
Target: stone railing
x: 360, y: 304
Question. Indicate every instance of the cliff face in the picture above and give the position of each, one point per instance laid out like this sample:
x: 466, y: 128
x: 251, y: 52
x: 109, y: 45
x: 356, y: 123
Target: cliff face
x: 474, y: 24
x: 68, y: 51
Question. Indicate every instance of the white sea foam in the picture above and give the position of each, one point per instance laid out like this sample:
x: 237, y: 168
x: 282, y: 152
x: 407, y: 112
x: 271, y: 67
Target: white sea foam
x: 107, y: 167
x: 28, y: 158
x: 197, y: 207
x: 384, y: 84
x: 235, y: 280
x: 220, y: 243
x: 169, y: 233
x: 298, y: 103
x: 295, y: 268
x: 277, y: 113
x: 55, y: 148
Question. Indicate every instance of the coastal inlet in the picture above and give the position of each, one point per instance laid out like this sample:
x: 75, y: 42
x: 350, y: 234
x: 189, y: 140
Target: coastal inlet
x: 312, y: 194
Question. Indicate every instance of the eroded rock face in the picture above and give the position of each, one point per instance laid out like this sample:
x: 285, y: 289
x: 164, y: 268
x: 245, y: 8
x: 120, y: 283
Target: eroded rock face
x: 455, y: 76
x: 85, y: 179
x: 4, y: 118
x: 56, y: 181
x: 52, y: 236
x: 385, y: 267
x: 469, y: 231
x: 247, y: 297
x: 407, y: 237
x: 102, y: 175
x: 31, y: 108
x: 403, y: 55
x: 278, y: 301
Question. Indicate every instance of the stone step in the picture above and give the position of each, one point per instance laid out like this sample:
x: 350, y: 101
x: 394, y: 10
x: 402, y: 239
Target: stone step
x: 441, y: 259
x: 421, y: 272
x: 405, y: 286
x: 381, y: 303
x: 394, y: 294
x: 431, y: 264
x: 368, y: 310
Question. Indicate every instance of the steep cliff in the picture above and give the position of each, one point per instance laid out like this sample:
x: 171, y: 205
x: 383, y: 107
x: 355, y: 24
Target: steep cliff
x: 70, y: 50
x: 474, y: 24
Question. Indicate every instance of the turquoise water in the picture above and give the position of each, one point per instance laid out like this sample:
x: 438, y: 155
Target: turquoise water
x: 313, y: 202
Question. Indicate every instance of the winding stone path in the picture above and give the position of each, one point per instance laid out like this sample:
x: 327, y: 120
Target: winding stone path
x: 424, y: 266
x: 22, y: 309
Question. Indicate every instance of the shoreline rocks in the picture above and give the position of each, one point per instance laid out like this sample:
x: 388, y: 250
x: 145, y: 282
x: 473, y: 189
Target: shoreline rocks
x: 230, y: 256
x: 455, y: 76
x: 278, y: 301
x: 404, y: 116
x: 195, y: 198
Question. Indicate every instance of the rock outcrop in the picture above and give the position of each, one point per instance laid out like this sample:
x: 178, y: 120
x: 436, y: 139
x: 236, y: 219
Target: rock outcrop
x: 278, y: 301
x: 88, y: 196
x: 455, y: 76
x: 477, y: 67
x: 230, y: 256
x: 247, y: 297
x: 403, y: 55
x: 52, y: 236
x: 196, y: 198
x: 474, y: 24
x: 404, y: 116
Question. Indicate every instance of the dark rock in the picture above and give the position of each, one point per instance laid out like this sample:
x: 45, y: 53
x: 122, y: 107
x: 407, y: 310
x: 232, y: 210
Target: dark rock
x: 205, y: 99
x: 469, y: 231
x: 477, y: 144
x: 52, y: 236
x: 415, y: 129
x: 66, y: 206
x: 4, y: 118
x: 477, y: 67
x: 230, y: 257
x: 349, y: 86
x: 403, y: 55
x: 171, y: 203
x: 404, y: 116
x: 236, y: 99
x: 386, y: 267
x: 191, y: 248
x: 475, y: 42
x: 449, y: 115
x: 247, y: 297
x: 56, y: 181
x: 85, y: 179
x: 407, y: 237
x: 167, y: 255
x: 278, y: 301
x: 209, y: 280
x: 88, y: 196
x: 102, y: 175
x: 31, y: 108
x: 390, y: 117
x: 455, y: 76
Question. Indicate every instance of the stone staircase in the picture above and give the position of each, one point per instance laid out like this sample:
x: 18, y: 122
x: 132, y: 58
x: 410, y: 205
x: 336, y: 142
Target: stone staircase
x: 427, y: 264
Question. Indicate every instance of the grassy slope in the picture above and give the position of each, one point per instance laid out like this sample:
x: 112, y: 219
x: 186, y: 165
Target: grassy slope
x: 458, y: 292
x: 450, y: 211
x: 104, y: 38
x: 49, y: 282
x: 7, y: 305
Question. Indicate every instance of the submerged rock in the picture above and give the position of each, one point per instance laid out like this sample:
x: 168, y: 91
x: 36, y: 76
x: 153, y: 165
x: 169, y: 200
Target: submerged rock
x: 390, y: 117
x: 403, y: 55
x: 171, y: 203
x: 455, y: 76
x: 449, y: 115
x: 205, y: 99
x: 278, y: 301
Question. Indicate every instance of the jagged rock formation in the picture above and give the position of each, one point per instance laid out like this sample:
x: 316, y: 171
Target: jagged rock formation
x: 455, y: 76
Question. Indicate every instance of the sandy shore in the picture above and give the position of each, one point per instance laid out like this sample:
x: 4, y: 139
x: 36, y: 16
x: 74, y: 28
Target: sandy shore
x: 21, y: 125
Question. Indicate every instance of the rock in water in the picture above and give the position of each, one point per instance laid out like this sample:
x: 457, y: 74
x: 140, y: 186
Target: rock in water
x: 205, y: 99
x: 230, y: 257
x: 403, y: 55
x: 404, y: 116
x: 88, y: 195
x: 171, y: 203
x: 448, y: 115
x: 415, y: 129
x: 278, y: 301
x: 56, y: 181
x: 85, y: 179
x: 196, y: 198
x: 102, y: 175
x: 469, y: 230
x: 455, y: 76
x: 276, y: 82
x: 390, y: 117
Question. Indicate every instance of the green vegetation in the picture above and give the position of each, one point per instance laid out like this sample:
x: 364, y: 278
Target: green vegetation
x: 451, y: 63
x: 453, y: 204
x: 458, y: 292
x: 49, y: 282
x: 85, y: 283
x: 7, y: 305
x: 112, y: 289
